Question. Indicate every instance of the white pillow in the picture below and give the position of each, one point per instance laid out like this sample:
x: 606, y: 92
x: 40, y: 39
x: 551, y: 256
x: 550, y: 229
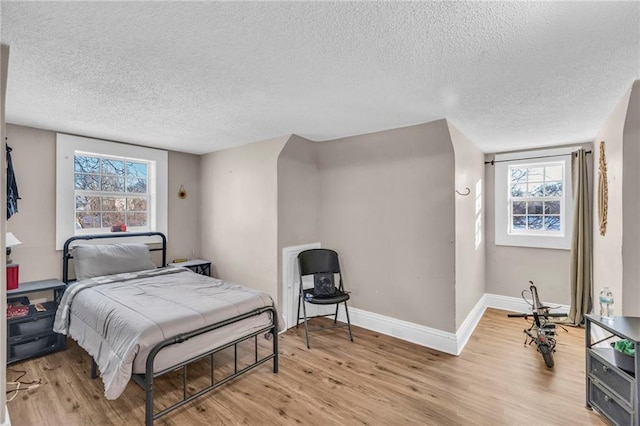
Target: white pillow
x: 97, y: 260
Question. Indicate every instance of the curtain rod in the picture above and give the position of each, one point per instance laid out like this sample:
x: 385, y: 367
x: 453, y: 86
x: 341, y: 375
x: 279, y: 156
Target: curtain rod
x: 492, y: 162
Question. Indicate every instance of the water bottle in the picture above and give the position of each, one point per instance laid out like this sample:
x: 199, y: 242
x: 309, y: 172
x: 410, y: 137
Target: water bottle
x: 606, y: 304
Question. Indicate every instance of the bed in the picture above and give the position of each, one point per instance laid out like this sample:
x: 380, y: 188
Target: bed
x: 140, y: 322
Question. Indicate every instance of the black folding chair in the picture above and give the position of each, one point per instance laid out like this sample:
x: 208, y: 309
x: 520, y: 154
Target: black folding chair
x: 323, y: 264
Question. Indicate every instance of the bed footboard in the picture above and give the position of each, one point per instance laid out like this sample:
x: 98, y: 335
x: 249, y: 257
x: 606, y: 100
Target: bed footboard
x: 146, y: 380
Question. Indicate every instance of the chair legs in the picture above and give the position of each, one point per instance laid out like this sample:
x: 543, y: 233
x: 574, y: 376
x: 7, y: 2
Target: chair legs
x: 346, y: 311
x: 304, y: 310
x: 298, y: 314
x: 306, y: 328
x: 335, y: 319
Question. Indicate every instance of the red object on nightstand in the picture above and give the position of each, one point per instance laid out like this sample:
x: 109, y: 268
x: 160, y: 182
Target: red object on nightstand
x: 13, y: 271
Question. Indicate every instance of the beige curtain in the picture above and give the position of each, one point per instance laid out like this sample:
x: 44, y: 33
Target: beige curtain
x: 581, y: 242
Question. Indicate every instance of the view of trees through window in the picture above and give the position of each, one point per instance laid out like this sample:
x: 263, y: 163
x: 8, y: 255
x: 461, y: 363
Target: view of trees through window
x: 110, y: 192
x: 536, y: 198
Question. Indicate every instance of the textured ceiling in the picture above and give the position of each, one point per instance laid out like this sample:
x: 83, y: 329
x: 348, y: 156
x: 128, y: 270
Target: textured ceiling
x: 199, y: 77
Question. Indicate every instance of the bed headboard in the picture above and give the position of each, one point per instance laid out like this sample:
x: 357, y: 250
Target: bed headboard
x: 66, y: 252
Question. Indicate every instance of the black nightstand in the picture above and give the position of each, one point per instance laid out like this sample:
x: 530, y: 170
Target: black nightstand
x: 613, y: 387
x: 32, y: 335
x: 198, y: 266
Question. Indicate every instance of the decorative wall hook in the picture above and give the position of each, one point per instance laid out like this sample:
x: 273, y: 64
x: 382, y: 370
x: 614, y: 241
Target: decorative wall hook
x: 460, y: 193
x: 182, y: 193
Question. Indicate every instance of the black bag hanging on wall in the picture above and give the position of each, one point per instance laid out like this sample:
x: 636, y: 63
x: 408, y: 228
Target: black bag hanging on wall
x: 12, y: 187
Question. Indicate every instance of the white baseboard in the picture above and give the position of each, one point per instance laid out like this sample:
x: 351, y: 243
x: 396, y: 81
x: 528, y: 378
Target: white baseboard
x: 516, y: 304
x: 425, y: 336
x: 467, y: 327
x: 451, y: 343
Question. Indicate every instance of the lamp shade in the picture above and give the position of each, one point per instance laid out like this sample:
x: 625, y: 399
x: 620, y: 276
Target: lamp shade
x: 12, y: 240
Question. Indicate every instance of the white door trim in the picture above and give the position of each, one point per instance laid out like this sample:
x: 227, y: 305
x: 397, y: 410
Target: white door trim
x: 289, y: 281
x: 7, y: 420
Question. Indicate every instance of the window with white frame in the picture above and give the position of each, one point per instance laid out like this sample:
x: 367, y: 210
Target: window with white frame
x: 533, y: 199
x: 110, y: 192
x: 102, y: 184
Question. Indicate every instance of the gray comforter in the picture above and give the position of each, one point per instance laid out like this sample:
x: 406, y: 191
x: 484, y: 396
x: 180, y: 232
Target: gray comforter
x: 118, y: 319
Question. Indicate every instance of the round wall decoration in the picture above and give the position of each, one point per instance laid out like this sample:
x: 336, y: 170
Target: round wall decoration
x: 182, y: 193
x: 603, y: 191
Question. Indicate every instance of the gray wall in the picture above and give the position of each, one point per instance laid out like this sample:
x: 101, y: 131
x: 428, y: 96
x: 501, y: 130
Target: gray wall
x: 388, y: 207
x: 34, y: 160
x: 631, y: 196
x: 470, y: 212
x: 239, y: 213
x: 183, y: 220
x: 607, y: 249
x: 298, y: 193
x: 351, y: 193
x: 298, y: 197
x: 35, y: 223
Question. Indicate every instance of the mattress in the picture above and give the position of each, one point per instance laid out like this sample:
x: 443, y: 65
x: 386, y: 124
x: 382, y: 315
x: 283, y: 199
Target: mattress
x: 118, y: 319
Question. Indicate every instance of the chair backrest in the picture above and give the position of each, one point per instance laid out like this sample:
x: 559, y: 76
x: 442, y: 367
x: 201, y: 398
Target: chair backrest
x: 322, y: 264
x: 317, y: 261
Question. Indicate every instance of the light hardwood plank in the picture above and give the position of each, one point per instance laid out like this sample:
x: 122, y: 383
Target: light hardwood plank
x: 377, y: 380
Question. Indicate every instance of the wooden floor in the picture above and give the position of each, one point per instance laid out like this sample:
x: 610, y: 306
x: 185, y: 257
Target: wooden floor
x: 377, y: 380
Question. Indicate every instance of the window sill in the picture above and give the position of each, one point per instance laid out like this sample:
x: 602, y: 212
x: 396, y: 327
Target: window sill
x: 535, y: 241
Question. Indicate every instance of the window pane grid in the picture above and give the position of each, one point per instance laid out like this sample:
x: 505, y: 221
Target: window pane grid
x: 109, y: 192
x: 108, y: 175
x: 536, y: 198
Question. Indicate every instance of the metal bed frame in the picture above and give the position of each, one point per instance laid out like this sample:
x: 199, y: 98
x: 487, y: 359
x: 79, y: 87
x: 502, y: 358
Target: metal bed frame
x: 146, y: 380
